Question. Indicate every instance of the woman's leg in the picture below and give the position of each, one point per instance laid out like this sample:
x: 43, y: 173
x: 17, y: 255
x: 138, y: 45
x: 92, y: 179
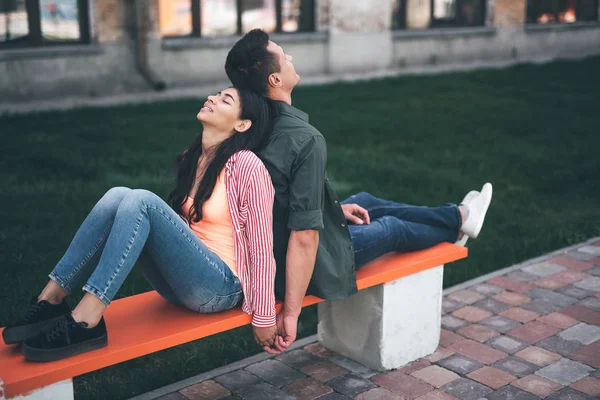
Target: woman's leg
x: 85, y: 248
x: 447, y: 216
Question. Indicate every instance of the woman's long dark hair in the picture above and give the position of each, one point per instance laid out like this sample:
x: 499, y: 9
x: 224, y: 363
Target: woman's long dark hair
x: 256, y: 108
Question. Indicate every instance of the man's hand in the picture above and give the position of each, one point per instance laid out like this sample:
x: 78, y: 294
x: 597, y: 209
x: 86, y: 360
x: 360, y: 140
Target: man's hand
x: 356, y: 214
x: 265, y: 337
x: 287, y: 327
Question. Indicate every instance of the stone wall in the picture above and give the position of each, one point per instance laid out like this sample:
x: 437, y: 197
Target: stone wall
x: 510, y: 12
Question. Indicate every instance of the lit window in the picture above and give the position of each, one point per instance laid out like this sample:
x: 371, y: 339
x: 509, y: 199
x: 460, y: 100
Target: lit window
x: 422, y: 14
x: 561, y: 11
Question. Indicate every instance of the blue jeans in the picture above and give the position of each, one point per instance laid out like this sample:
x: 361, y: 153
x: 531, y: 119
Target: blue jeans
x: 400, y: 227
x: 128, y: 225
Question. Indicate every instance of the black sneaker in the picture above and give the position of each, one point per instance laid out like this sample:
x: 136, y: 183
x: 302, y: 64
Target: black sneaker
x: 65, y: 339
x: 36, y: 318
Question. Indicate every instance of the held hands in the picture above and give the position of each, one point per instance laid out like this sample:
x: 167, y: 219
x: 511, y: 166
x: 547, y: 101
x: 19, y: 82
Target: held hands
x: 286, y: 329
x: 356, y: 214
x: 265, y: 337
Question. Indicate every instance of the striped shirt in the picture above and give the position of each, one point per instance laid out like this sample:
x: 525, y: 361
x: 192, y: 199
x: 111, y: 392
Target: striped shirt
x: 250, y: 194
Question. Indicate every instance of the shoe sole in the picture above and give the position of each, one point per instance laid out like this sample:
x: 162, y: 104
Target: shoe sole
x: 477, y: 230
x: 46, y: 355
x: 20, y: 334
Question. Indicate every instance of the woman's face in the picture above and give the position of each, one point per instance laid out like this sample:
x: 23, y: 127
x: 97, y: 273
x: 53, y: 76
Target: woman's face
x: 222, y: 111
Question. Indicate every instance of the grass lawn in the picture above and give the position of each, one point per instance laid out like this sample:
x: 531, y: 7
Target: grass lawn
x: 531, y: 130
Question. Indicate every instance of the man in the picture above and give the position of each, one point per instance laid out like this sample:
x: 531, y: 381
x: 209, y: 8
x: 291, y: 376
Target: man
x: 318, y: 240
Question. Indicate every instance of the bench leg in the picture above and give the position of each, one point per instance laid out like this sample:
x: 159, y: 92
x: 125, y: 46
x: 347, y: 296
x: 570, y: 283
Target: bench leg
x: 62, y: 390
x: 386, y: 326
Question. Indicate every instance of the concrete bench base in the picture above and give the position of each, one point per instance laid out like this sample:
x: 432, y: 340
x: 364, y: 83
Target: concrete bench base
x: 389, y: 325
x: 62, y: 390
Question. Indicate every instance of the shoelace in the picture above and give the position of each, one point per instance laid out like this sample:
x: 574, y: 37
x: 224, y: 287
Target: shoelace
x: 31, y: 311
x: 59, y: 329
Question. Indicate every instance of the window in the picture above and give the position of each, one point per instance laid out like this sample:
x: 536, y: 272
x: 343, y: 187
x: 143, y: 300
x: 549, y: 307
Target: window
x: 561, y: 11
x: 421, y: 14
x: 211, y: 18
x: 43, y: 22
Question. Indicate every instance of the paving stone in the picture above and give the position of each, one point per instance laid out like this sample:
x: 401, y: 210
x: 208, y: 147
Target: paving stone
x: 492, y: 305
x: 588, y: 385
x: 511, y: 298
x: 471, y: 314
x: 511, y: 393
x: 207, y: 390
x: 520, y: 315
x: 477, y: 351
x: 594, y: 250
x: 324, y: 370
x: 589, y: 355
x: 402, y: 384
x: 516, y: 366
x: 435, y: 375
x: 307, y: 389
x: 571, y: 263
x: 575, y: 292
x: 439, y: 354
x: 466, y: 389
x: 353, y: 366
x: 537, y: 385
x: 582, y: 333
x: 492, y: 377
x: 437, y: 395
x: 460, y: 364
x: 334, y: 396
x: 582, y: 314
x: 500, y: 324
x: 319, y: 350
x: 533, y: 332
x: 350, y: 385
x: 447, y: 338
x: 263, y: 391
x: 591, y: 302
x: 596, y: 374
x: 560, y: 346
x: 414, y: 366
x: 570, y: 276
x: 511, y: 284
x: 173, y: 396
x: 449, y: 305
x: 592, y: 284
x: 550, y: 283
x: 486, y: 289
x: 565, y: 371
x: 476, y: 332
x: 507, y: 344
x: 594, y: 271
x: 275, y: 372
x: 237, y: 380
x: 452, y: 323
x: 231, y: 397
x: 378, y: 394
x: 568, y: 394
x: 558, y: 320
x: 551, y: 297
x: 540, y: 306
x: 580, y: 255
x: 543, y: 269
x: 522, y: 276
x: 537, y: 355
x: 298, y: 358
x: 466, y: 296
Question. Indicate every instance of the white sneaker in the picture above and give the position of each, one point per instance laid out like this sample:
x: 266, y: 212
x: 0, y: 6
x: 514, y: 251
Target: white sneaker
x: 477, y: 209
x: 470, y: 196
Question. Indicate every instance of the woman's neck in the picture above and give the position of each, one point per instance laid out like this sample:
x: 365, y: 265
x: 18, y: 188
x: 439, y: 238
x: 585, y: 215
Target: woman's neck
x: 211, y: 139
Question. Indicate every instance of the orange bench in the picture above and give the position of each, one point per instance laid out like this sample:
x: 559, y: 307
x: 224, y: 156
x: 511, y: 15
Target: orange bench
x: 146, y: 323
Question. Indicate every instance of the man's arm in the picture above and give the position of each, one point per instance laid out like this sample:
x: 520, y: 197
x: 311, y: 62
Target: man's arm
x: 300, y: 263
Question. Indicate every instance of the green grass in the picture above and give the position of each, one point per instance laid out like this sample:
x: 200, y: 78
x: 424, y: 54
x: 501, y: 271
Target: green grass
x: 531, y: 130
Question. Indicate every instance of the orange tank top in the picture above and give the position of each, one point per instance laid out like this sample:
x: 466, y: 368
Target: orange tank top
x: 215, y: 229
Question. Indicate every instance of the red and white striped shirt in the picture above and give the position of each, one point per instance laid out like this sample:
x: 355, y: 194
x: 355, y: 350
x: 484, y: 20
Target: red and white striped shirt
x: 250, y: 194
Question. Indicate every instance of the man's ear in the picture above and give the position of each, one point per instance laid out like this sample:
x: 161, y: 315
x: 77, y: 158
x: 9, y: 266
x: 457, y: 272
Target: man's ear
x: 275, y: 80
x: 243, y: 125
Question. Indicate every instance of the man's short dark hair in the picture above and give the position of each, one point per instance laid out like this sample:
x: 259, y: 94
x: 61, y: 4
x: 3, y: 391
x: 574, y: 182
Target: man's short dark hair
x: 249, y: 63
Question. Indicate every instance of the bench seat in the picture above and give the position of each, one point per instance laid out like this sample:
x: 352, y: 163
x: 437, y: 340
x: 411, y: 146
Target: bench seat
x: 146, y: 323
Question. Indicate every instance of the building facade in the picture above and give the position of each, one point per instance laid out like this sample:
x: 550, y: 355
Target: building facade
x: 55, y: 48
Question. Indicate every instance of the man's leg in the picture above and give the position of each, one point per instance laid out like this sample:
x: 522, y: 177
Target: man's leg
x: 389, y: 233
x: 446, y: 216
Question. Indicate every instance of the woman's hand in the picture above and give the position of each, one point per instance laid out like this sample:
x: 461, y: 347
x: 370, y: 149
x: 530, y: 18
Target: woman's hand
x: 265, y: 337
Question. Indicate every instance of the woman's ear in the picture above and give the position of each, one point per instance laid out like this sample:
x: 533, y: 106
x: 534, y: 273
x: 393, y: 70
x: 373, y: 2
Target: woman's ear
x: 243, y: 125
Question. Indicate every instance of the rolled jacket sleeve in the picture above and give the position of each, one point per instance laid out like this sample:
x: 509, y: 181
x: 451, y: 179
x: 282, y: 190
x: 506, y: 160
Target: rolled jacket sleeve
x: 307, y: 185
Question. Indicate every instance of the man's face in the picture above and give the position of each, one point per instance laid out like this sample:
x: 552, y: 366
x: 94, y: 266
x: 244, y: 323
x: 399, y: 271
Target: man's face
x: 287, y: 72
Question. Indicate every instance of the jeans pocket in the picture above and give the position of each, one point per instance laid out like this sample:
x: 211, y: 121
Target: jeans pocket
x: 221, y: 303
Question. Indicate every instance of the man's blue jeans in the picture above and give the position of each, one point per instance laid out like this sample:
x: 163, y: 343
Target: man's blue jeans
x: 129, y: 225
x: 400, y: 227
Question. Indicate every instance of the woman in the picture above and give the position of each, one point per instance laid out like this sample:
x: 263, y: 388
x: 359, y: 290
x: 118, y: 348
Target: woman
x: 212, y: 249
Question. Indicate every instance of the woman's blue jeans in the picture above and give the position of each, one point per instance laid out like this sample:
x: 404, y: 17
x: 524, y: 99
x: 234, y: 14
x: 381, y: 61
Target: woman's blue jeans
x: 129, y: 225
x: 400, y: 227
